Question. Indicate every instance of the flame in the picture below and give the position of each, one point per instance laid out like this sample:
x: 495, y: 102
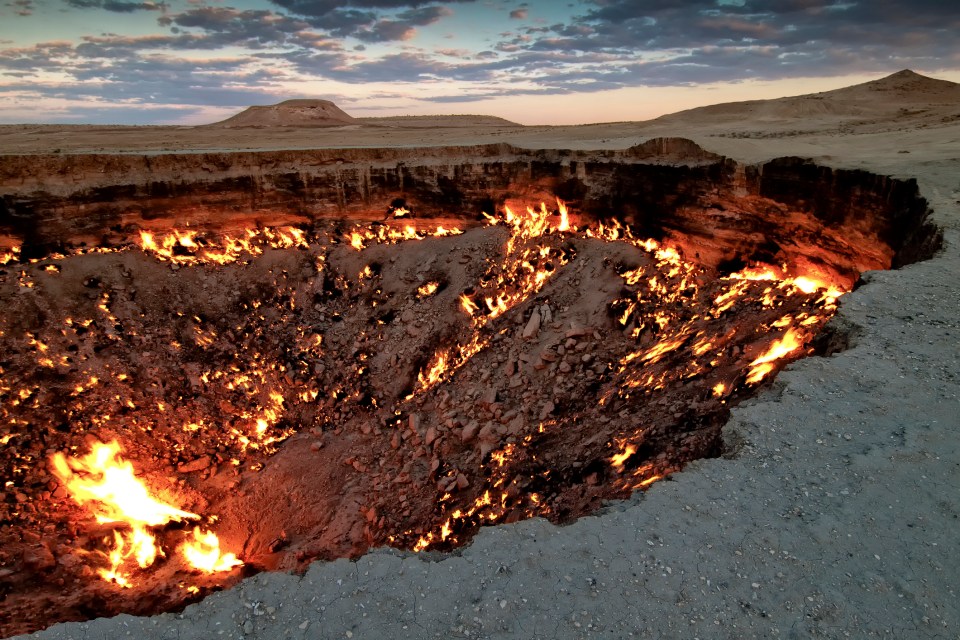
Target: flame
x: 619, y: 459
x: 204, y: 553
x: 564, y: 217
x: 427, y: 290
x: 468, y: 305
x: 102, y: 477
x: 186, y: 247
x: 763, y: 365
x: 383, y: 234
x: 108, y: 486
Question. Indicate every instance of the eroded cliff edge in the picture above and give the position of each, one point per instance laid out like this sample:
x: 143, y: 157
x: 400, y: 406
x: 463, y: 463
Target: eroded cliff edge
x: 832, y: 222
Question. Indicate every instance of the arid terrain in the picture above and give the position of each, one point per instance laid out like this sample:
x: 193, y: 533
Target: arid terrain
x: 826, y: 506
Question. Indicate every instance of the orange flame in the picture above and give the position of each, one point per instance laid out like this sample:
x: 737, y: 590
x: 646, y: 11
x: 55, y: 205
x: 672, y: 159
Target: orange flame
x: 763, y: 365
x: 204, y: 553
x: 564, y: 216
x: 107, y: 484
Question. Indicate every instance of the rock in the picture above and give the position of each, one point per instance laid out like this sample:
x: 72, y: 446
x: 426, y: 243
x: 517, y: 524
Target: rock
x: 470, y: 431
x: 195, y: 465
x: 533, y: 325
x: 414, y: 422
x: 430, y: 436
x: 39, y: 558
x: 462, y: 481
x: 565, y: 367
x: 548, y: 355
x: 516, y: 425
x: 546, y: 315
x: 576, y: 331
x: 488, y: 433
x: 546, y: 409
x: 489, y: 397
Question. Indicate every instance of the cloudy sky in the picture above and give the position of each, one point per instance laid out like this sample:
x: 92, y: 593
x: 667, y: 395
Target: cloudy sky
x: 539, y: 61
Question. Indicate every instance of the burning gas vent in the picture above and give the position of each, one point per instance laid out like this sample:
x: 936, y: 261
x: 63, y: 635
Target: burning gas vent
x: 184, y: 406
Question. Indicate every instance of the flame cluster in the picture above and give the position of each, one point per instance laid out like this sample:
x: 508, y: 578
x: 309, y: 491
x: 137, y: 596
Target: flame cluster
x: 363, y: 236
x: 192, y: 247
x: 106, y: 484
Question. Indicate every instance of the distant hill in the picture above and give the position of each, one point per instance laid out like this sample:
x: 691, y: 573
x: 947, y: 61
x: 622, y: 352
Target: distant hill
x: 439, y: 121
x: 904, y: 94
x: 290, y: 113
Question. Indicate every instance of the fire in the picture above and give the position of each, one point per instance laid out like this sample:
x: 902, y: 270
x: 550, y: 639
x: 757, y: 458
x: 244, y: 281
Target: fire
x: 109, y: 487
x: 188, y: 247
x: 103, y: 478
x: 204, y: 553
x: 564, y: 216
x: 619, y: 459
x: 360, y: 237
x: 763, y: 365
x: 427, y: 290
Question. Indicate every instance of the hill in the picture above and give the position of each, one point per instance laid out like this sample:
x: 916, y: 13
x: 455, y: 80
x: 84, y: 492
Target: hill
x: 290, y: 113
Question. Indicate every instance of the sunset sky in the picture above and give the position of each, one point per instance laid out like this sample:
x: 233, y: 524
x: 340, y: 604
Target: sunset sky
x: 534, y: 62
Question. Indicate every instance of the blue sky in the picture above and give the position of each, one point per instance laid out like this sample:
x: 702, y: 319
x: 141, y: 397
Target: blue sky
x: 536, y: 62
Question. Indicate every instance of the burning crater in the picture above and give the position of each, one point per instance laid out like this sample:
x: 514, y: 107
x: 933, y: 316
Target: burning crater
x: 193, y: 397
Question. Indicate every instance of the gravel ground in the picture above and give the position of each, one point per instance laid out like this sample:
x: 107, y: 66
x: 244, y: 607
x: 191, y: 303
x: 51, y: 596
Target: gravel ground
x: 835, y: 514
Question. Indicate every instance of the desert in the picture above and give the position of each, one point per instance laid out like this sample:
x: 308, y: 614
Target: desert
x: 817, y: 502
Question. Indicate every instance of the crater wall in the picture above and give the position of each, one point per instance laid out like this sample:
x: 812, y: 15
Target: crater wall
x: 831, y: 222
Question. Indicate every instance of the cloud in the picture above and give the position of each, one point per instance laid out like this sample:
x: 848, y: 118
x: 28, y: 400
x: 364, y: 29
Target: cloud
x: 22, y: 8
x: 519, y: 14
x: 222, y: 26
x: 403, y: 27
x: 370, y: 20
x: 116, y: 6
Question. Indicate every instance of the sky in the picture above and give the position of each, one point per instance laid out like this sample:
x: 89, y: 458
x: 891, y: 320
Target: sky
x: 534, y: 62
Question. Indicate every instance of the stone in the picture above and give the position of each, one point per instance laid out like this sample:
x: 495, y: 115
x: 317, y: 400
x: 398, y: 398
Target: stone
x: 195, y: 465
x: 545, y: 314
x: 39, y: 558
x: 547, y: 408
x: 489, y: 397
x: 548, y: 355
x: 533, y: 325
x: 470, y: 431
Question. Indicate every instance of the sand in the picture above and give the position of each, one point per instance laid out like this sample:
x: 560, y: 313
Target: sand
x: 834, y: 513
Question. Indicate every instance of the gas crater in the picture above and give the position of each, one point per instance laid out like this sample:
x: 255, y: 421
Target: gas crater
x: 298, y: 356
